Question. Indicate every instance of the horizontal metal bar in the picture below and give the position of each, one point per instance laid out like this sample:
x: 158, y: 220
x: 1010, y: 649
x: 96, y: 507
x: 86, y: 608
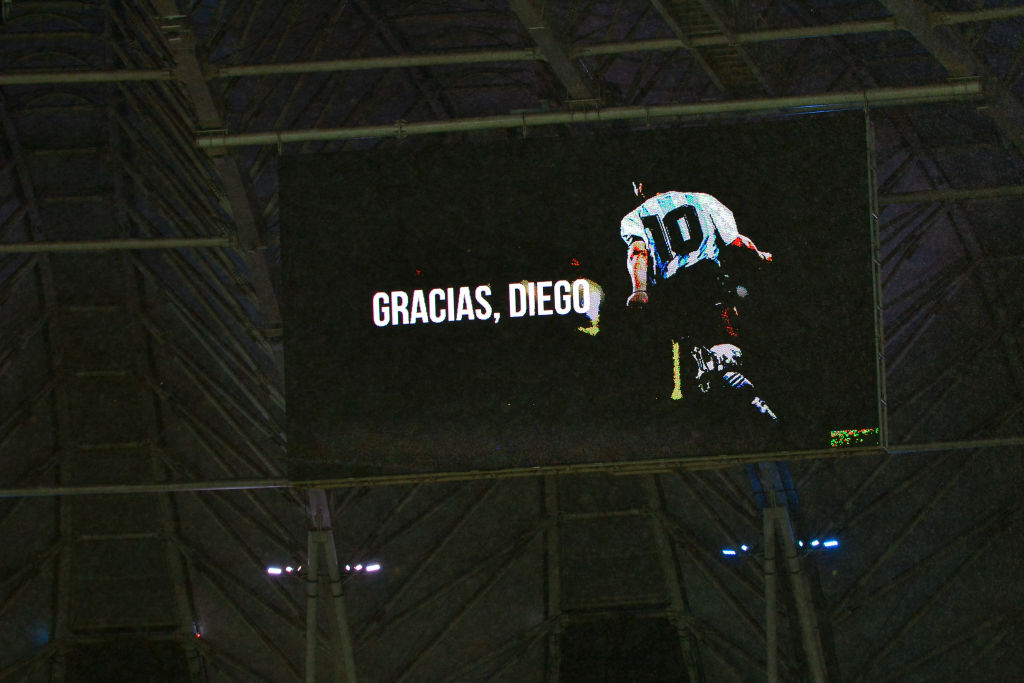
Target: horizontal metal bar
x: 991, y: 14
x: 132, y: 536
x: 579, y: 615
x: 763, y: 36
x: 110, y: 372
x: 516, y: 55
x: 71, y: 76
x: 604, y: 514
x: 961, y: 89
x: 691, y: 463
x: 117, y: 244
x: 951, y: 195
x: 111, y: 446
x: 623, y: 606
x: 366, y: 63
x: 163, y: 487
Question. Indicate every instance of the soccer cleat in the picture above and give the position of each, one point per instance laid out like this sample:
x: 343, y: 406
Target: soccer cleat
x: 763, y: 408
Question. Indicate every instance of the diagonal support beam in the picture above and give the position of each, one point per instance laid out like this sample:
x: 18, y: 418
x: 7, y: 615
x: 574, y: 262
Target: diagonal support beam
x: 242, y: 203
x: 570, y: 72
x: 687, y: 626
x: 321, y: 544
x: 56, y: 346
x: 727, y: 64
x: 950, y: 49
x: 778, y: 527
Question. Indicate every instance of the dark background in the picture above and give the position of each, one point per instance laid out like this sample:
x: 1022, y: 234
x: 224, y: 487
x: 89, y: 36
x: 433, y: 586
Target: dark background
x: 534, y: 391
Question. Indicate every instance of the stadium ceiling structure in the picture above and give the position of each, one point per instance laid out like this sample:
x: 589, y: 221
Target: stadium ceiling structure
x: 148, y: 529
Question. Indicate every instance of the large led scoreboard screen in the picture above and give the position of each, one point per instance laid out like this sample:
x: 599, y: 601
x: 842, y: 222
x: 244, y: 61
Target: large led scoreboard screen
x: 595, y: 298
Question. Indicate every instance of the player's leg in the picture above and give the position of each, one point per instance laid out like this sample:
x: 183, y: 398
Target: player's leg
x: 720, y: 366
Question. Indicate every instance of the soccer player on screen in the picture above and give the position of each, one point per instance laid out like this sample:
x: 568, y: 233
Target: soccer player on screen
x: 675, y: 242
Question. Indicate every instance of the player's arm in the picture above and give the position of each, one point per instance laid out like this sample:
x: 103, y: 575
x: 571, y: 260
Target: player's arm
x: 631, y: 229
x: 725, y: 223
x: 744, y: 242
x: 637, y: 258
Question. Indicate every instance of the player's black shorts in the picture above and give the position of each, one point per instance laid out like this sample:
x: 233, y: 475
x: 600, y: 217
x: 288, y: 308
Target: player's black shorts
x: 695, y: 305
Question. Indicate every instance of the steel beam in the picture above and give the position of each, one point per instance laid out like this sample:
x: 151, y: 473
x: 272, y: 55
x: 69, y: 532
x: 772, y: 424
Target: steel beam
x: 879, y: 97
x: 99, y: 76
x: 861, y: 583
x: 809, y: 630
x: 553, y: 573
x: 689, y: 463
x: 214, y: 579
x: 515, y: 552
x: 980, y: 266
x: 881, y: 394
x: 63, y: 442
x: 530, y: 54
x: 420, y: 79
x: 892, y: 641
x: 886, y: 25
x: 717, y: 60
x: 569, y: 71
x: 321, y: 546
x: 771, y: 610
x: 953, y: 195
x: 143, y: 367
x: 1000, y: 519
x: 238, y: 189
x: 121, y: 244
x: 377, y: 619
x: 687, y: 628
x: 950, y: 50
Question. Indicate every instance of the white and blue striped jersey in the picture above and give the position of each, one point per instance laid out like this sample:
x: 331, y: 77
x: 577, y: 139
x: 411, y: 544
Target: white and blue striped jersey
x: 679, y: 229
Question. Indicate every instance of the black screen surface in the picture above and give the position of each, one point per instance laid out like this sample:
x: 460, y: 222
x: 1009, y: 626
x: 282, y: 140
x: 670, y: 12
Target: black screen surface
x: 404, y: 271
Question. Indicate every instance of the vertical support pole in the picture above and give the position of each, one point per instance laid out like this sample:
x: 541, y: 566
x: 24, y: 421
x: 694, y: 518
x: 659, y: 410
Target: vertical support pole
x: 771, y: 625
x: 554, y: 579
x: 245, y: 211
x: 804, y: 605
x: 778, y: 517
x: 312, y: 581
x: 345, y: 663
x: 680, y: 609
x: 321, y: 540
x: 876, y: 283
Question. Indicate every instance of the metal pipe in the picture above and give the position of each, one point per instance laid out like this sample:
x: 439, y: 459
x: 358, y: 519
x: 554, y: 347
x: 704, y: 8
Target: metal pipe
x: 71, y: 76
x: 341, y: 647
x: 992, y: 14
x: 690, y: 463
x: 809, y: 631
x: 312, y: 583
x: 553, y: 572
x: 881, y: 392
x: 951, y: 195
x: 962, y: 89
x: 515, y: 55
x: 771, y: 612
x: 681, y: 615
x: 116, y: 244
x: 366, y: 63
